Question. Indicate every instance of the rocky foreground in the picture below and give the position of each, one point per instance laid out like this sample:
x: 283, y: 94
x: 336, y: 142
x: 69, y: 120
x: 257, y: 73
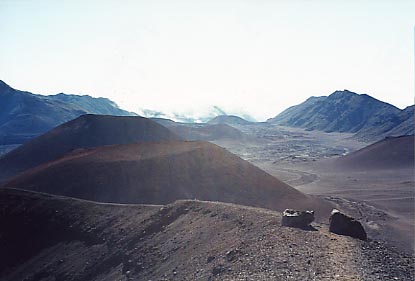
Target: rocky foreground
x: 44, y: 237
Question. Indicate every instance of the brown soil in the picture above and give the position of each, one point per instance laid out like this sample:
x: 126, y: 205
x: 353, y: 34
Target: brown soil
x: 383, y: 199
x: 160, y: 173
x: 84, y: 132
x: 390, y: 153
x: 46, y: 237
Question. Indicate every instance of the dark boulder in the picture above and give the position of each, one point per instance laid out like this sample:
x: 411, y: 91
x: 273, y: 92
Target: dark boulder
x: 300, y: 219
x: 345, y: 225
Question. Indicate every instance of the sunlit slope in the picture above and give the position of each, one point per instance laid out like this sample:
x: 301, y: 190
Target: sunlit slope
x: 159, y: 173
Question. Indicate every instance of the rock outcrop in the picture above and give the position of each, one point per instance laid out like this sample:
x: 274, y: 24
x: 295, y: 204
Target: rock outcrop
x: 345, y: 225
x: 294, y: 218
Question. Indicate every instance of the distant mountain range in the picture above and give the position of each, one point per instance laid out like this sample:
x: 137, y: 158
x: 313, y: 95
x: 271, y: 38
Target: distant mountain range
x: 24, y: 115
x: 229, y: 119
x: 345, y: 111
x: 204, y: 131
x: 202, y: 115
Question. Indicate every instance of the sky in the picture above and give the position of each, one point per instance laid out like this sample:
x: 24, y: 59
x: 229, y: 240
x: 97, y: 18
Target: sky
x: 254, y: 57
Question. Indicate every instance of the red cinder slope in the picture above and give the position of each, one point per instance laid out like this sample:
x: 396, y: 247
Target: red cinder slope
x: 390, y: 153
x: 160, y: 173
x: 83, y: 132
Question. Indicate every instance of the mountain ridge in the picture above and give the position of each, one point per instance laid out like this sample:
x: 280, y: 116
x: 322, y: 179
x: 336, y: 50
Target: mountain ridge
x: 345, y: 111
x: 199, y: 114
x: 25, y: 115
x: 229, y: 119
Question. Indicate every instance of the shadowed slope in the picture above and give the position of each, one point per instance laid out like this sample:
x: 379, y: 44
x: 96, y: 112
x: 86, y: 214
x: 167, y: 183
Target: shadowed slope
x: 24, y: 115
x: 84, y: 132
x: 345, y: 111
x: 390, y: 153
x: 159, y: 173
x: 46, y: 237
x: 406, y: 127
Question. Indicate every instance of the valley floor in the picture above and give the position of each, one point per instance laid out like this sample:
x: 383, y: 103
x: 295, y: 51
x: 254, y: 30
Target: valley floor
x: 383, y: 200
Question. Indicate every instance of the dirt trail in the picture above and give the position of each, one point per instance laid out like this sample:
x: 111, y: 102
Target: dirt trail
x: 290, y: 175
x: 303, y: 177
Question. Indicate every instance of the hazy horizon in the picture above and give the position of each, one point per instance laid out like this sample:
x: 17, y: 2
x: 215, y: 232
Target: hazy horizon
x: 245, y: 57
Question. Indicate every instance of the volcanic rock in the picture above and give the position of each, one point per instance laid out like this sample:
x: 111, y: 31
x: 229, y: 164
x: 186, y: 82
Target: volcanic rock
x: 300, y: 219
x: 345, y: 225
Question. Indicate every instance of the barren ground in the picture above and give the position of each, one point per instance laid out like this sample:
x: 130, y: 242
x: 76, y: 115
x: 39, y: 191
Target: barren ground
x: 46, y: 237
x: 382, y: 199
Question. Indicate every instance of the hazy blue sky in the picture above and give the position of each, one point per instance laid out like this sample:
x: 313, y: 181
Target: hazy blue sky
x: 253, y: 56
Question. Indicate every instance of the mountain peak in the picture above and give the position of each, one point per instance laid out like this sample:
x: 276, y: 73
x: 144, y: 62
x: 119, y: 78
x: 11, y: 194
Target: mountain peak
x: 342, y: 111
x: 228, y: 119
x: 315, y: 99
x: 345, y: 92
x: 4, y: 85
x: 25, y: 115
